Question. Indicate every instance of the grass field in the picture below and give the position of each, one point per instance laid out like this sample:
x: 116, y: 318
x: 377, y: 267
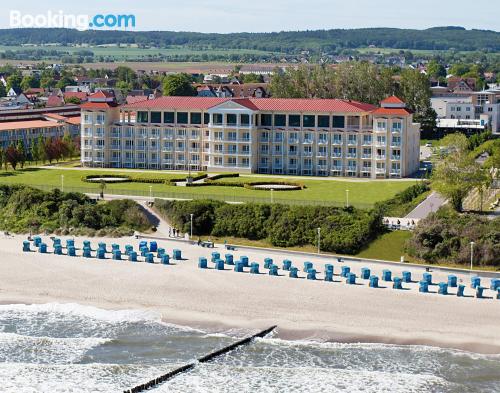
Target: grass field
x: 132, y: 52
x: 388, y: 247
x: 361, y: 193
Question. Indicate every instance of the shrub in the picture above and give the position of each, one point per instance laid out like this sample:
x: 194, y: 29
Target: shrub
x: 24, y: 209
x: 342, y: 230
x: 446, y: 236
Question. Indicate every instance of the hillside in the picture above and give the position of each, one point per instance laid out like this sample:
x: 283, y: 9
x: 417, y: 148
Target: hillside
x: 437, y: 38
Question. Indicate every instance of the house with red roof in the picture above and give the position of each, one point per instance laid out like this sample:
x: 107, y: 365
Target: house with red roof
x: 308, y: 137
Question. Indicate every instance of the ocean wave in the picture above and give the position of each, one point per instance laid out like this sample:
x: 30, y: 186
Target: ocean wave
x: 20, y: 348
x: 94, y: 313
x: 374, y: 347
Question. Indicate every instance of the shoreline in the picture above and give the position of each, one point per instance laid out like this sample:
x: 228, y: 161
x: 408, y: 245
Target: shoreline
x: 225, y: 300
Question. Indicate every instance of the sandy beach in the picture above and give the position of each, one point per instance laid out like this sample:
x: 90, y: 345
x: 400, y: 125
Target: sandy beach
x: 222, y: 300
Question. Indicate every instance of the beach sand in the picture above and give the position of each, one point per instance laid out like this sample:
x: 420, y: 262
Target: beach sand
x: 221, y: 300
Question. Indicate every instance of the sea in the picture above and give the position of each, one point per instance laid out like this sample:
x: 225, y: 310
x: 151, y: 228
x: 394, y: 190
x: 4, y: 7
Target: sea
x: 73, y: 348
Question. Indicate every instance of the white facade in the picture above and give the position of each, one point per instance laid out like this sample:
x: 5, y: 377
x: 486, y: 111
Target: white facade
x: 239, y: 136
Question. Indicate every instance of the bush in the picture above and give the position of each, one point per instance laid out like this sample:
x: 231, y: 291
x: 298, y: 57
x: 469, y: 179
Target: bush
x: 445, y: 236
x: 24, y: 209
x: 342, y: 230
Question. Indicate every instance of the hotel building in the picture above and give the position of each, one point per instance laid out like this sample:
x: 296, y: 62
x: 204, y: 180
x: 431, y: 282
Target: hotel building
x: 310, y: 137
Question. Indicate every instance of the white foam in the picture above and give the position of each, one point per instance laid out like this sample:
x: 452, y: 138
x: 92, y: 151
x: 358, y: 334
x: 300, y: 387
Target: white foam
x: 20, y: 348
x: 110, y: 316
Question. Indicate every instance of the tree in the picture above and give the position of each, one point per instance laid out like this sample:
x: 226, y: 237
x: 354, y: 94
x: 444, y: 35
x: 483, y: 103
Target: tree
x: 436, y: 70
x: 252, y: 78
x: 3, y: 91
x: 125, y: 74
x: 21, y: 151
x: 47, y: 82
x: 73, y: 100
x: 12, y: 156
x: 64, y: 81
x: 14, y: 81
x: 178, y: 85
x: 29, y: 82
x: 69, y: 144
x: 416, y: 92
x: 458, y: 173
x: 35, y: 150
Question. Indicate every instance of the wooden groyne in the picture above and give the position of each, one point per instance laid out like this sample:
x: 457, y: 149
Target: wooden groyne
x: 207, y: 358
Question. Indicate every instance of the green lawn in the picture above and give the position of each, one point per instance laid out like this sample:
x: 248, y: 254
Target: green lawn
x: 361, y: 193
x: 388, y: 247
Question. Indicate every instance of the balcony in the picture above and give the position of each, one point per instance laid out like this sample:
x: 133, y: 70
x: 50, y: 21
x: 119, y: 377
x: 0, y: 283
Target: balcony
x: 337, y: 155
x: 307, y: 154
x: 396, y: 131
x: 378, y: 157
x: 395, y: 172
x: 322, y: 141
x: 321, y: 154
x: 352, y: 143
x: 376, y: 129
x: 367, y: 142
x: 351, y: 155
x: 336, y: 168
x: 396, y: 158
x: 380, y: 144
x: 337, y: 142
x: 351, y: 168
x: 307, y: 141
x: 321, y: 167
x: 263, y: 139
x: 395, y: 144
x: 292, y: 153
x: 366, y: 156
x: 366, y: 169
x: 293, y: 140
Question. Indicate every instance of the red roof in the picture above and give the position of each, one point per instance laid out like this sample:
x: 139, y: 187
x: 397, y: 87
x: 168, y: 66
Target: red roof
x: 82, y: 96
x: 263, y: 104
x: 133, y: 99
x: 19, y: 125
x: 98, y: 105
x: 55, y: 101
x: 170, y: 102
x: 101, y: 94
x: 392, y: 111
x: 392, y: 100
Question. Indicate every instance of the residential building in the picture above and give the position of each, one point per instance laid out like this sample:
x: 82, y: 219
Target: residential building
x: 322, y: 137
x: 478, y: 111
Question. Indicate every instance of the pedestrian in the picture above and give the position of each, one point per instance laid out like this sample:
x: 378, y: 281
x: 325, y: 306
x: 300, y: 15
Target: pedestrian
x: 169, y: 232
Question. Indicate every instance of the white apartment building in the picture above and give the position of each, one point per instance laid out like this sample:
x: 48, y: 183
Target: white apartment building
x: 479, y: 111
x: 320, y: 137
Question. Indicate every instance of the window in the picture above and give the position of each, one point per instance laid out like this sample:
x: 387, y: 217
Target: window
x: 265, y: 120
x: 396, y: 126
x: 155, y: 117
x: 195, y: 118
x: 168, y: 117
x: 206, y: 118
x: 231, y: 118
x: 142, y: 117
x: 309, y: 121
x: 279, y: 120
x: 323, y: 121
x: 338, y: 121
x: 182, y: 117
x: 217, y: 118
x: 381, y: 125
x: 294, y: 120
x: 245, y: 120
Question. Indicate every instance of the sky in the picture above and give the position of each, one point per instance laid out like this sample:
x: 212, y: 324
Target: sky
x: 225, y: 16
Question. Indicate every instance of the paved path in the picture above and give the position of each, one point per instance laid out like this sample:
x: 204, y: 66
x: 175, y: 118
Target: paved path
x: 431, y: 204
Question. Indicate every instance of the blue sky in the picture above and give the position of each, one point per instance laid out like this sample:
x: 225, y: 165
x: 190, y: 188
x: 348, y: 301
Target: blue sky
x: 275, y: 15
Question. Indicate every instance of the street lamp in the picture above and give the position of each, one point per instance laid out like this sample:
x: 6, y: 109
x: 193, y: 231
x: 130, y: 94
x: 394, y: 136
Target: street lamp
x: 62, y: 183
x: 319, y: 239
x: 471, y: 254
x: 191, y: 225
x: 151, y: 192
x: 346, y: 198
x: 272, y: 195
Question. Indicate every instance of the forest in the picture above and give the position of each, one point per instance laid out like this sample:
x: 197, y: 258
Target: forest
x: 436, y: 38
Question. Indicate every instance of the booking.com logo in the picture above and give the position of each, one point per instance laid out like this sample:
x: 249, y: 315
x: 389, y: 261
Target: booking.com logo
x: 71, y: 21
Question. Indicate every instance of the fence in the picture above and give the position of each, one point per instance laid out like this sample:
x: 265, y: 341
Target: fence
x: 231, y: 198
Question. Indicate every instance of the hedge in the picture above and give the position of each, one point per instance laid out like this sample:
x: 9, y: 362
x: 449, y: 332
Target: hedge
x: 343, y: 230
x: 171, y: 182
x: 141, y: 179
